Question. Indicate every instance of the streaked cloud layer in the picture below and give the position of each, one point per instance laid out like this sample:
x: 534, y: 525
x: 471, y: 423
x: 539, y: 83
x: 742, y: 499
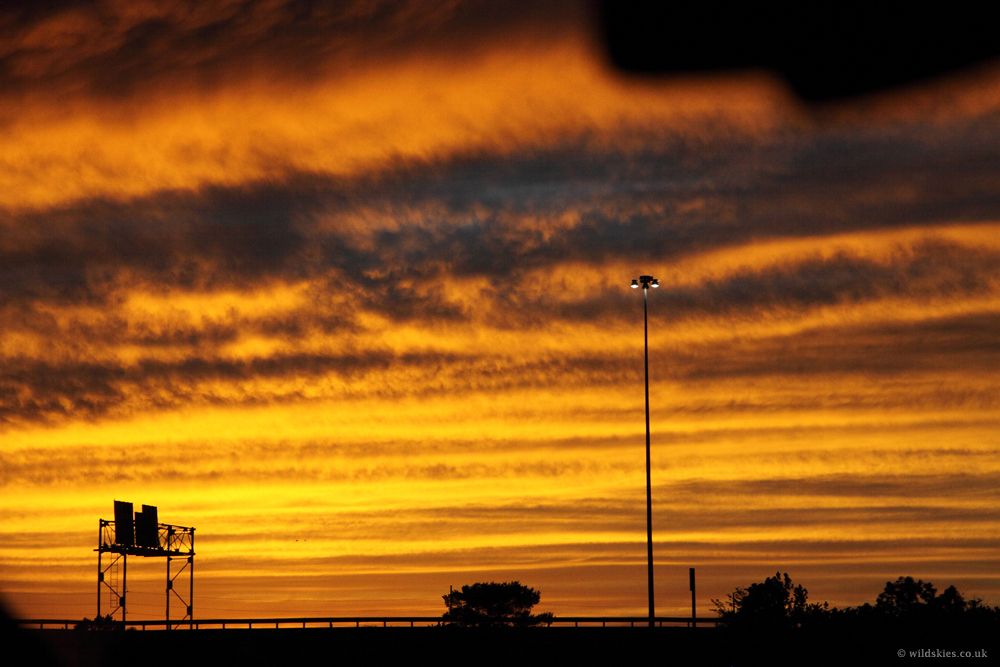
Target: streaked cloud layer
x: 348, y: 291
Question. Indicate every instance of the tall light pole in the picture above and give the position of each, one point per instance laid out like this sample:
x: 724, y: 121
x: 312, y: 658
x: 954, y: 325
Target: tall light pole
x: 647, y: 282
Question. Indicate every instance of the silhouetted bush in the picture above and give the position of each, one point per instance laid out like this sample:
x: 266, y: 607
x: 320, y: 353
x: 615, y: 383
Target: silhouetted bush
x: 100, y: 623
x: 494, y: 605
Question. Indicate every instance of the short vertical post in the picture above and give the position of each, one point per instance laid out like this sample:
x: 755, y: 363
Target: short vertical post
x: 694, y: 609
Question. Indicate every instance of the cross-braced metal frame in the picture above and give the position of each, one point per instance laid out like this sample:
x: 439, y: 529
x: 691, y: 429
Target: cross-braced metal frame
x: 180, y: 541
x: 174, y: 543
x: 108, y: 579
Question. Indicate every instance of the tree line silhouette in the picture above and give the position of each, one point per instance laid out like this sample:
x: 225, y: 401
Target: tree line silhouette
x: 107, y: 622
x: 778, y: 603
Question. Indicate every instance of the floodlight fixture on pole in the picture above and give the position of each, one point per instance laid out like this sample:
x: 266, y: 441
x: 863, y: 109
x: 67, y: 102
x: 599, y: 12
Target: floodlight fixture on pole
x: 646, y: 282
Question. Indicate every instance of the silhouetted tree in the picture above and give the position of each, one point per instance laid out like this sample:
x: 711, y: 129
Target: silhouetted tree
x: 774, y: 603
x: 950, y: 602
x: 905, y: 597
x: 494, y: 605
x: 916, y: 602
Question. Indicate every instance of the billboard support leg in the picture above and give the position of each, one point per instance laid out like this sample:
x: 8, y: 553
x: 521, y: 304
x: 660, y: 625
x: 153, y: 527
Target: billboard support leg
x: 100, y: 572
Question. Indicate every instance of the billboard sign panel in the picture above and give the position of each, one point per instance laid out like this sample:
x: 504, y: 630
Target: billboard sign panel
x: 124, y: 528
x: 147, y: 528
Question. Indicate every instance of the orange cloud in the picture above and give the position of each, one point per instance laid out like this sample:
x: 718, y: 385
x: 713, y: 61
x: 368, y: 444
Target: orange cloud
x: 373, y: 318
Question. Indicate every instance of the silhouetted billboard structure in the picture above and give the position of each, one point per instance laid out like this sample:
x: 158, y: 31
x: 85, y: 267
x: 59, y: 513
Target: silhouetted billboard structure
x: 141, y: 534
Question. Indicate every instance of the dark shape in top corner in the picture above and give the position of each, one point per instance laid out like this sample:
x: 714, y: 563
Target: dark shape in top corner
x: 826, y: 52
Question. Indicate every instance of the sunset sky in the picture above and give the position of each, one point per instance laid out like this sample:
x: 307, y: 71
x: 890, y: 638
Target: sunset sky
x: 346, y: 288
